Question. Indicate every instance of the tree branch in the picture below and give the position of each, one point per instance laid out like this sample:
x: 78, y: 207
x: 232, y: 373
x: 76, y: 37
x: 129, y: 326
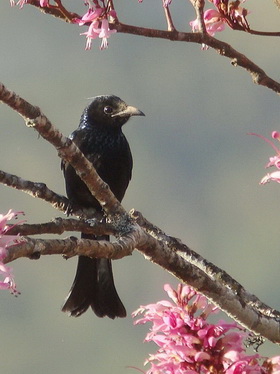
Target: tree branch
x: 35, y: 189
x: 159, y: 248
x: 60, y: 225
x: 41, y: 191
x: 199, y: 9
x: 69, y: 247
x: 57, y: 11
x: 168, y: 17
x: 237, y: 59
x: 178, y: 259
x: 172, y: 255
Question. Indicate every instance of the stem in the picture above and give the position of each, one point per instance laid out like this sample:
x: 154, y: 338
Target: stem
x: 170, y: 24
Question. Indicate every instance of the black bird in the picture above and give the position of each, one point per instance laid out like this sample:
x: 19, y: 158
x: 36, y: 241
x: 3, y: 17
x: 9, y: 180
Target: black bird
x: 100, y: 138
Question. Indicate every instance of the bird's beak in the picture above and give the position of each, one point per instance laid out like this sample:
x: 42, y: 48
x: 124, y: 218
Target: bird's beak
x: 128, y: 112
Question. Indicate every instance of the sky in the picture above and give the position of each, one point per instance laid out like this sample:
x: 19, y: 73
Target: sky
x: 196, y: 170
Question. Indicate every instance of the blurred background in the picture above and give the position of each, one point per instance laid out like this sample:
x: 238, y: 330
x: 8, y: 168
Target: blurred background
x: 196, y: 171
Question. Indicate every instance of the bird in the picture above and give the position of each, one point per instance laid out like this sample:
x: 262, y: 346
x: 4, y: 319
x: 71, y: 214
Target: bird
x: 100, y: 138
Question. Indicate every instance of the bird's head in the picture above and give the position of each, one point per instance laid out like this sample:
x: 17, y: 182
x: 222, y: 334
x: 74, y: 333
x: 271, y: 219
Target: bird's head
x: 109, y: 111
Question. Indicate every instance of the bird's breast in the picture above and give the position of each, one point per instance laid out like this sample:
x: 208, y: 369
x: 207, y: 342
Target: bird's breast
x: 111, y: 157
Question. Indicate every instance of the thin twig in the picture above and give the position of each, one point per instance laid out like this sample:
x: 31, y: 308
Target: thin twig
x: 199, y: 10
x: 168, y: 17
x: 224, y: 49
x: 35, y: 189
x: 56, y: 11
x: 263, y: 33
x: 41, y: 191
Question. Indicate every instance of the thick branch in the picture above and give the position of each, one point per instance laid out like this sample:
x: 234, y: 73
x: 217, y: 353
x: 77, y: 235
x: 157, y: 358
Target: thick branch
x: 258, y: 75
x: 69, y: 247
x: 189, y: 267
x: 60, y: 225
x: 176, y: 258
x: 237, y: 59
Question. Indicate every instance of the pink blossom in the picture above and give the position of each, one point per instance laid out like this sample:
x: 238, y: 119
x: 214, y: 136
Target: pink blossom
x: 21, y: 3
x: 188, y: 344
x: 3, y: 221
x: 98, y: 28
x: 5, y: 242
x: 8, y: 282
x: 166, y: 3
x: 105, y: 33
x: 97, y: 17
x: 92, y: 33
x: 91, y: 15
x: 44, y: 3
x: 274, y: 364
x: 275, y: 135
x: 213, y: 22
x: 271, y: 177
x: 226, y: 12
x: 273, y: 161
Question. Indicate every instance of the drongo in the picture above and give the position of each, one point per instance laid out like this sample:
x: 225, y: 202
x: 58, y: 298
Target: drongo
x: 100, y: 138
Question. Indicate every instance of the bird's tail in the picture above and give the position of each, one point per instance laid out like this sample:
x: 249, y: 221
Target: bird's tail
x: 94, y: 286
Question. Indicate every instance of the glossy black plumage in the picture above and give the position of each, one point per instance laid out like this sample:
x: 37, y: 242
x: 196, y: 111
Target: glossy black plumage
x: 100, y: 137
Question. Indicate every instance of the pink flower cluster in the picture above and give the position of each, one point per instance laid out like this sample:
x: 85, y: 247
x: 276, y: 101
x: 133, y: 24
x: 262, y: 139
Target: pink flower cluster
x: 97, y: 18
x: 189, y: 344
x: 273, y: 161
x: 21, y: 3
x: 8, y: 282
x: 226, y: 12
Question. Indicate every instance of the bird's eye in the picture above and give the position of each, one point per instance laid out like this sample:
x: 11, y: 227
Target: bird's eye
x: 108, y: 110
